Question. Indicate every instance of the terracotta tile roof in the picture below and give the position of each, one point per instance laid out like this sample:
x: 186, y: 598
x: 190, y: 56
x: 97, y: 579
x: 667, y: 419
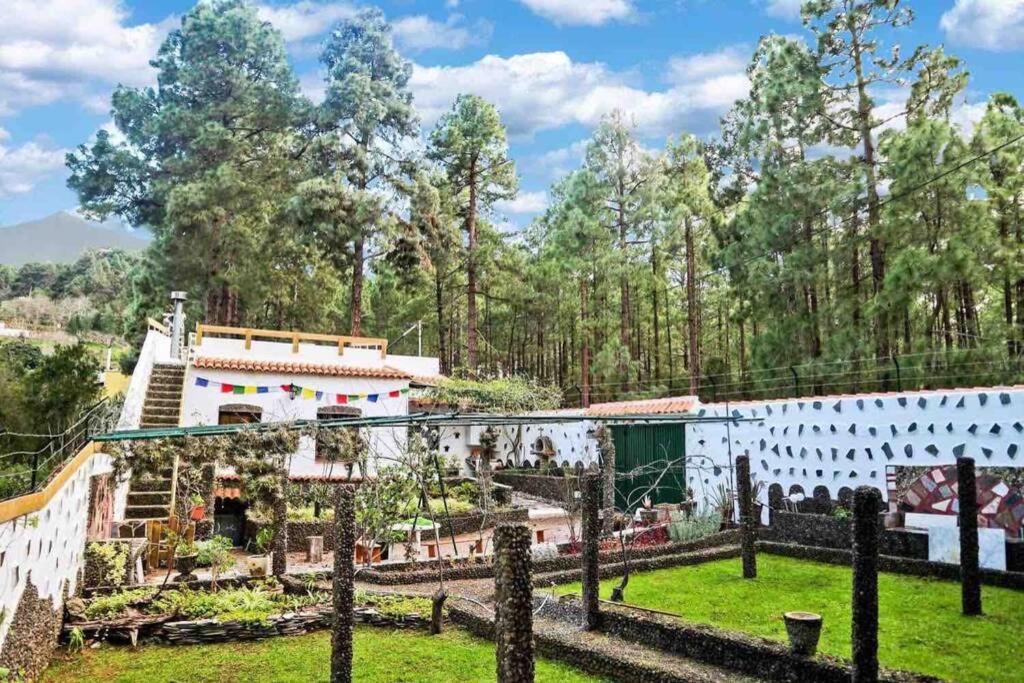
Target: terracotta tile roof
x: 296, y: 368
x: 655, y: 406
x: 428, y: 380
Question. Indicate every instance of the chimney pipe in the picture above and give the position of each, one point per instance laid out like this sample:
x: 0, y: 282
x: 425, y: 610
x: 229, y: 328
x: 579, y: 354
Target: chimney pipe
x: 177, y: 324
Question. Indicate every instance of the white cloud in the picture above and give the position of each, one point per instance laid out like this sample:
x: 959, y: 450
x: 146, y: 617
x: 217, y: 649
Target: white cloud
x: 78, y: 49
x: 22, y: 168
x: 546, y: 90
x: 986, y: 24
x: 783, y: 9
x: 582, y: 12
x: 524, y: 203
x: 420, y: 32
x: 305, y: 19
x: 729, y: 60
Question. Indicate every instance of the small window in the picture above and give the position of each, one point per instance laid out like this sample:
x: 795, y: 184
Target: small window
x: 332, y: 413
x: 239, y: 414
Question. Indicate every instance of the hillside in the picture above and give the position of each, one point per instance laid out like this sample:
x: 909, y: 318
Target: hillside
x: 61, y: 238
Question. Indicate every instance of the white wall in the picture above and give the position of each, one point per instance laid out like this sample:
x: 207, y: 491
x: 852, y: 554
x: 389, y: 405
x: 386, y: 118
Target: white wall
x: 201, y: 405
x: 48, y: 545
x: 569, y: 439
x: 849, y: 441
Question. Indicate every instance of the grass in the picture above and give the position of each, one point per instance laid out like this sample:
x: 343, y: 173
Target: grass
x: 381, y: 656
x: 920, y: 625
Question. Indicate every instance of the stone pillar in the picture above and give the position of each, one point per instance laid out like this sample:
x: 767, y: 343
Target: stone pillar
x: 866, y: 505
x: 607, y: 448
x: 970, y: 574
x: 280, y: 544
x: 344, y: 574
x: 590, y: 532
x: 513, y: 603
x: 748, y: 534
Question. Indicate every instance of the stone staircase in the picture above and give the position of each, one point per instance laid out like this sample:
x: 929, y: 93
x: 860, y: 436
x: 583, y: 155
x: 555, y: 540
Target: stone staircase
x: 150, y: 497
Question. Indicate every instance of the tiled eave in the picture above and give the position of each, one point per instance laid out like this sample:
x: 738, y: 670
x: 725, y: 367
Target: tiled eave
x: 295, y: 368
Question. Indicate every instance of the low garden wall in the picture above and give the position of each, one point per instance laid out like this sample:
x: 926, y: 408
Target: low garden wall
x: 664, y: 555
x: 760, y: 657
x: 546, y: 486
x: 825, y: 531
x: 111, y: 563
x: 298, y: 532
x: 895, y: 565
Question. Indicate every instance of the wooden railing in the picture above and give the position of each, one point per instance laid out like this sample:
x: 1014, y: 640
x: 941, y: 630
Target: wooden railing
x: 248, y: 334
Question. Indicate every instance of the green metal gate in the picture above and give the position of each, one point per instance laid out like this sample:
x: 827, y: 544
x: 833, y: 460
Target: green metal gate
x: 649, y: 457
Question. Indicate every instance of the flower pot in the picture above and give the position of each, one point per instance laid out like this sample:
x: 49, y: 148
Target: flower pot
x: 803, y: 629
x: 185, y: 564
x: 259, y: 565
x: 648, y: 516
x: 198, y: 512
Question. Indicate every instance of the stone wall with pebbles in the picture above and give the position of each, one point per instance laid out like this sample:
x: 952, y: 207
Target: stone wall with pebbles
x: 45, y: 549
x: 835, y: 444
x: 212, y: 631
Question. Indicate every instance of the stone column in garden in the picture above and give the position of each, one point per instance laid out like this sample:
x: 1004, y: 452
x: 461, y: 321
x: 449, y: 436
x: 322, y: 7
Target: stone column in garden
x: 280, y: 544
x: 513, y: 603
x: 970, y: 574
x: 748, y: 533
x: 344, y: 575
x: 590, y: 531
x: 607, y: 448
x: 866, y: 505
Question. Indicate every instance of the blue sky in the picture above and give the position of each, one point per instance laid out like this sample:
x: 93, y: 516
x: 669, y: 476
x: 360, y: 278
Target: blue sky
x: 553, y: 67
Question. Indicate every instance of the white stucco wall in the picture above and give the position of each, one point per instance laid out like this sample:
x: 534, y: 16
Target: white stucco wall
x: 201, y: 406
x: 570, y: 441
x: 49, y: 545
x: 849, y: 441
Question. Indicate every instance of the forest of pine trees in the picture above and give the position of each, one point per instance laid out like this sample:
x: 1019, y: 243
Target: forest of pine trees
x: 814, y: 246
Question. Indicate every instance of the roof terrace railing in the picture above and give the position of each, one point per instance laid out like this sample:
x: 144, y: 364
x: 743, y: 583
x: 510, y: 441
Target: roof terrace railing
x: 296, y: 338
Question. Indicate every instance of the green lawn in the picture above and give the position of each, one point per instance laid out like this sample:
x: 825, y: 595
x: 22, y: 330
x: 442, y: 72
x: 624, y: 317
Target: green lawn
x: 920, y: 626
x: 382, y: 656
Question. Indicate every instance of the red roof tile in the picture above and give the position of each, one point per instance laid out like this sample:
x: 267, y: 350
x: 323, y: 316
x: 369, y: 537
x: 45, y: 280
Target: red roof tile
x: 655, y: 406
x: 296, y: 368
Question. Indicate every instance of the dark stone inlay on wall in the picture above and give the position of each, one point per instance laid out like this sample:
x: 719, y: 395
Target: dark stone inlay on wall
x: 513, y: 603
x: 32, y: 634
x: 902, y: 401
x: 1004, y: 398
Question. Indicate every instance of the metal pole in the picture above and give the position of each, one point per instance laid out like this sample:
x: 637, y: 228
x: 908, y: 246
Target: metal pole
x: 899, y: 379
x: 177, y: 323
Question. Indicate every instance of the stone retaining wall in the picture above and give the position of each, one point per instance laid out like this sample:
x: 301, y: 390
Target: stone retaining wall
x: 760, y: 657
x: 421, y: 572
x: 546, y: 486
x: 895, y: 565
x: 825, y: 531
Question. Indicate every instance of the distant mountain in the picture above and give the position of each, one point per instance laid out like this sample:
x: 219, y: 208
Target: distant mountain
x: 62, y: 238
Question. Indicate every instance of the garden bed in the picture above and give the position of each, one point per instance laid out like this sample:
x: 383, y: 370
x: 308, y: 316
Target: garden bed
x: 421, y: 572
x: 189, y: 617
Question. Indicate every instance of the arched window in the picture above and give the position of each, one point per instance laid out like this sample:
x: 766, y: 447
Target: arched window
x: 333, y: 413
x: 239, y: 414
x: 542, y: 450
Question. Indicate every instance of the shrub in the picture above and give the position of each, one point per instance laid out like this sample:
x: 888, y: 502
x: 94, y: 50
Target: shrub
x: 681, y: 529
x: 116, y: 604
x: 208, y: 551
x: 394, y: 605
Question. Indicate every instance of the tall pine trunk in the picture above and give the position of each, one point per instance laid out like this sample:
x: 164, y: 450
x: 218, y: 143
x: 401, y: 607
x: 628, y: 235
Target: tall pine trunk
x: 471, y: 357
x: 692, y: 321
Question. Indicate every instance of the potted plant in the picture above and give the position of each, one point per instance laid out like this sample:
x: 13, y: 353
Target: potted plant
x: 648, y: 515
x: 756, y: 506
x: 259, y: 564
x: 803, y: 629
x: 198, y: 508
x: 185, y: 554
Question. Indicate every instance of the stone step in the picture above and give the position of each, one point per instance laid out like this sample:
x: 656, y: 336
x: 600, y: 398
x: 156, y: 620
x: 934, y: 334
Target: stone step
x: 159, y: 411
x: 161, y: 384
x: 157, y: 424
x: 146, y: 511
x: 150, y: 486
x: 161, y: 498
x: 162, y: 402
x: 163, y: 393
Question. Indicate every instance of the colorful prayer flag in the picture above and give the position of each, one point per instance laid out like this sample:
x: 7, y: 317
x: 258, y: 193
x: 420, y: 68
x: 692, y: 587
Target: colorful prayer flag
x: 372, y: 398
x: 395, y: 394
x: 200, y: 382
x: 341, y: 398
x: 227, y: 388
x: 307, y: 393
x: 238, y: 389
x: 262, y: 390
x: 250, y: 390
